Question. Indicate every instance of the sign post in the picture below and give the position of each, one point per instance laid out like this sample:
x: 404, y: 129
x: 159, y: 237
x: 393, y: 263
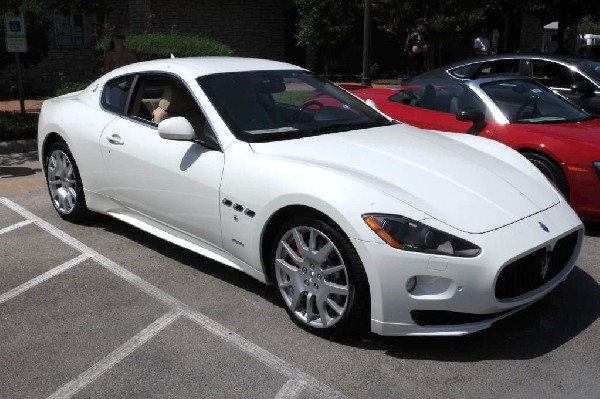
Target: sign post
x: 16, y: 42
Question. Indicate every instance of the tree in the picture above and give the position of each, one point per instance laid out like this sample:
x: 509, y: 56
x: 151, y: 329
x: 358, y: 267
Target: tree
x: 324, y: 23
x: 589, y: 25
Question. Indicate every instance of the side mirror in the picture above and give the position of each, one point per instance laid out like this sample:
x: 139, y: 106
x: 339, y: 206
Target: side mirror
x: 475, y: 116
x: 471, y: 114
x: 176, y: 128
x: 585, y: 88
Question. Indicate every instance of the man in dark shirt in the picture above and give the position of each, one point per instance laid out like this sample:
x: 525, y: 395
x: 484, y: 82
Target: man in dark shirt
x: 417, y: 47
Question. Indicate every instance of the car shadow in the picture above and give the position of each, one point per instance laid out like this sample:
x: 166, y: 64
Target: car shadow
x: 592, y: 229
x: 184, y: 256
x: 535, y: 331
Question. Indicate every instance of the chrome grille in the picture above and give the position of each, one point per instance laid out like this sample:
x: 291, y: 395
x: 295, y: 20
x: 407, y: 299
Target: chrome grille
x: 536, y: 269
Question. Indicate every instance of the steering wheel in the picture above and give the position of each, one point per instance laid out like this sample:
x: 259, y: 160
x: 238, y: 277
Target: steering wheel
x: 296, y: 116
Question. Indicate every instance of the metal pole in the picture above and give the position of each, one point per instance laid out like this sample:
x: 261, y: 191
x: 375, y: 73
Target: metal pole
x: 366, y: 75
x: 20, y: 83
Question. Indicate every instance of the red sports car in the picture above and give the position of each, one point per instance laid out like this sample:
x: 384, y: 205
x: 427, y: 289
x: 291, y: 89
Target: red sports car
x: 562, y: 140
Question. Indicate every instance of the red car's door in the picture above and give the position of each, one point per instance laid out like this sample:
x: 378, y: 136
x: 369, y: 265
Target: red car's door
x: 434, y: 120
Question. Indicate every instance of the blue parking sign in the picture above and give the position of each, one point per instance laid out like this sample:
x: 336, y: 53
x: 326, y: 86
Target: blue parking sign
x: 14, y: 26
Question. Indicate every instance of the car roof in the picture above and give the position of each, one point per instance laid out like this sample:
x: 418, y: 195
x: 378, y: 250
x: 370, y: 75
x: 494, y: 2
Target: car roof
x: 445, y: 78
x: 570, y: 59
x: 442, y: 71
x: 200, y: 66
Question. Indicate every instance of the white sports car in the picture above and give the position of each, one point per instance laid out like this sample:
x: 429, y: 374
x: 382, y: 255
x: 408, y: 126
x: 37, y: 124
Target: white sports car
x: 357, y: 221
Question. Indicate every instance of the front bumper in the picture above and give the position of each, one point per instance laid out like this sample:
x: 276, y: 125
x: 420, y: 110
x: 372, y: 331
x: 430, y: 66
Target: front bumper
x: 457, y: 296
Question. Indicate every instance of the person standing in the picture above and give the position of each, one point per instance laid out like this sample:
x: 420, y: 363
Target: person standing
x: 417, y: 47
x: 118, y: 55
x: 482, y: 44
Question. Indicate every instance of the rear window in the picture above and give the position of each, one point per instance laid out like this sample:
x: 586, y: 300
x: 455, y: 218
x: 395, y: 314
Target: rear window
x: 115, y: 93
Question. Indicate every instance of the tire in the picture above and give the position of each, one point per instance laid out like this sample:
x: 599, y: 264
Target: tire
x: 64, y: 183
x: 551, y: 170
x: 324, y: 291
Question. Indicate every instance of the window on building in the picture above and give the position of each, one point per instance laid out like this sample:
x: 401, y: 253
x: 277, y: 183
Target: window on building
x: 74, y: 28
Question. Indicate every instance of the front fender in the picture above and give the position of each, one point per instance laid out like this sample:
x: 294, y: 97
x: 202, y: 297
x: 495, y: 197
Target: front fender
x: 254, y: 188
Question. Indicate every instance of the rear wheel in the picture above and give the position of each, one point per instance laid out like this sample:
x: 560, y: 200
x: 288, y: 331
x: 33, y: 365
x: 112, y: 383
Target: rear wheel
x: 64, y: 183
x: 551, y: 170
x: 319, y: 277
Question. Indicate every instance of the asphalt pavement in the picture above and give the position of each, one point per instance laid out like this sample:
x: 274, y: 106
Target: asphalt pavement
x: 101, y: 309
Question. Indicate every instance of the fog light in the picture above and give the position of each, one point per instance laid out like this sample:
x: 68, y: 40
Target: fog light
x: 411, y: 283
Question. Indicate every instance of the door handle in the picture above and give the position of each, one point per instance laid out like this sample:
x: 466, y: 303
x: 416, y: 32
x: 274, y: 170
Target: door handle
x: 115, y: 139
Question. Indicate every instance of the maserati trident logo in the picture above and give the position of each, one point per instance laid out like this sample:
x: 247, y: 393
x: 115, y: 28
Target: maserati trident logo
x: 545, y: 265
x: 544, y: 227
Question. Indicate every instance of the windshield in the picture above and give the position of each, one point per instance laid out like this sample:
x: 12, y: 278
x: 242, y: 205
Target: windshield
x: 526, y: 101
x: 261, y: 106
x: 592, y: 68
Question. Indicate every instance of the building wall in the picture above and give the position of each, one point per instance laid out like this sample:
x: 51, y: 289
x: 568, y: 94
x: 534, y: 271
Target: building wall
x: 251, y: 29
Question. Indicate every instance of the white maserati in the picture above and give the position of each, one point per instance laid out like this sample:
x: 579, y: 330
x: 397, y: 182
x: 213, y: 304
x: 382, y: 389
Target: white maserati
x: 357, y: 221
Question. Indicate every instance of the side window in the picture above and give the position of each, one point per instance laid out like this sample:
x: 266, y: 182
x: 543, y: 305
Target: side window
x: 160, y: 97
x: 488, y: 68
x: 552, y: 74
x: 449, y: 99
x: 115, y: 93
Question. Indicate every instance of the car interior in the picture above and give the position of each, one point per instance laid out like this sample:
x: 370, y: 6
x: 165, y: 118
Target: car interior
x: 159, y: 98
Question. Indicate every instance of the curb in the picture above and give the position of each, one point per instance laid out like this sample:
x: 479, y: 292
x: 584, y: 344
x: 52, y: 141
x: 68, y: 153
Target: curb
x: 17, y: 146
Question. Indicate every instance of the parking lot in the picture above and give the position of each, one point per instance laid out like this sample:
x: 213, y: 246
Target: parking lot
x: 104, y: 310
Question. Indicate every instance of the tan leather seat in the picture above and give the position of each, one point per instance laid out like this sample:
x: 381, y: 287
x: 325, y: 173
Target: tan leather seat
x: 177, y: 101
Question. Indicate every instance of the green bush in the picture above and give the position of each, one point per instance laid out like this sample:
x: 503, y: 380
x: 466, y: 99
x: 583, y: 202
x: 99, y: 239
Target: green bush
x: 17, y: 126
x: 162, y: 45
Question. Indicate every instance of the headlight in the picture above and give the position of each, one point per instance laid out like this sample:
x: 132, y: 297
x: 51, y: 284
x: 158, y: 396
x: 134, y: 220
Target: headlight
x: 409, y: 235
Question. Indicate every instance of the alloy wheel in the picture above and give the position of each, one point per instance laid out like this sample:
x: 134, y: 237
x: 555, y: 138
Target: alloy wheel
x: 62, y: 182
x: 312, y: 277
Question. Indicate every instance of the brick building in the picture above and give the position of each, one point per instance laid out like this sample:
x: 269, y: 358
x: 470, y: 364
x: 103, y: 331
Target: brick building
x: 251, y: 29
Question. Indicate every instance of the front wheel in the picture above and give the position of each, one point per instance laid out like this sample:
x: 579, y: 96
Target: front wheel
x: 64, y: 183
x: 320, y: 278
x: 551, y: 170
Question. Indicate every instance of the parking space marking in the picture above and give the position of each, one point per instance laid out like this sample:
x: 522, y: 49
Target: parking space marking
x: 15, y: 226
x: 297, y: 376
x: 104, y: 365
x: 42, y: 277
x: 291, y: 389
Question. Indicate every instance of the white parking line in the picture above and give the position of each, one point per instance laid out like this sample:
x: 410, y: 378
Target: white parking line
x: 290, y: 389
x: 42, y: 277
x: 87, y: 377
x: 15, y: 226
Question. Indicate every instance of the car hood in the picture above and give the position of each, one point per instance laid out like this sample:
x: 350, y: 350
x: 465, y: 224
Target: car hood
x: 436, y: 173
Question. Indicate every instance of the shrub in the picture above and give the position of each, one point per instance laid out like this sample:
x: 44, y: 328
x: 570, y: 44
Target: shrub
x: 17, y: 126
x: 162, y: 45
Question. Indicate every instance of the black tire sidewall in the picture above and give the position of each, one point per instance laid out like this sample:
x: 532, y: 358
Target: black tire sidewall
x: 557, y: 175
